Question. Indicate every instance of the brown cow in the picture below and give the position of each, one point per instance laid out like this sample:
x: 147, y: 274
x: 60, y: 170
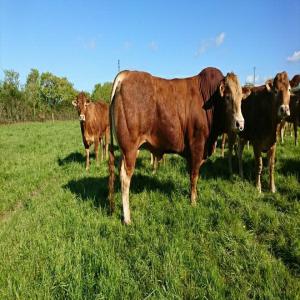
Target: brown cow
x: 263, y: 110
x: 294, y: 118
x: 182, y: 116
x: 94, y: 124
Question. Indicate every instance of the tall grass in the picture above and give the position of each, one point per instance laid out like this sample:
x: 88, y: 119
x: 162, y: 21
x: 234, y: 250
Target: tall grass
x: 57, y: 239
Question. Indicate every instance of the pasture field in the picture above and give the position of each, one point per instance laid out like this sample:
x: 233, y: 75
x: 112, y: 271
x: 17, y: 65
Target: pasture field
x: 57, y: 240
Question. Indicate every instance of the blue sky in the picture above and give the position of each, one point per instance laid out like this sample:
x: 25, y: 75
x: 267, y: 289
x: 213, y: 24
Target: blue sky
x: 83, y: 40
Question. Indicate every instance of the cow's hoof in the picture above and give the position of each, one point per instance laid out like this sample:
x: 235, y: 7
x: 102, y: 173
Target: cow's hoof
x: 127, y: 222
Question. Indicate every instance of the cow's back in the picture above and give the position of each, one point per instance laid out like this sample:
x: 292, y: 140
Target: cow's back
x: 259, y: 113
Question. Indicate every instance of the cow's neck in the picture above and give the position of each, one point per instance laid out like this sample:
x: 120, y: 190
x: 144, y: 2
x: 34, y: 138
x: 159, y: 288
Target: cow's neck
x: 273, y: 111
x: 88, y: 118
x: 216, y: 123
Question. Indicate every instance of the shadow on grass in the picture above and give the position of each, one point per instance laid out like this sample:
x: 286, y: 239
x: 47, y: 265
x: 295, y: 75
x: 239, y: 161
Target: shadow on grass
x: 290, y: 167
x: 71, y: 158
x: 142, y: 183
x: 95, y: 189
x: 287, y: 255
x: 218, y: 168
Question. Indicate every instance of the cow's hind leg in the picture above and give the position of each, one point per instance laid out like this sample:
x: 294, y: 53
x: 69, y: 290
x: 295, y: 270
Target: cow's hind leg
x: 126, y: 172
x: 295, y: 125
x: 106, y: 143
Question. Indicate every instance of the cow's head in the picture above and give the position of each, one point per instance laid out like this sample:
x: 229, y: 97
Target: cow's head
x: 232, y: 95
x: 281, y: 89
x: 81, y: 104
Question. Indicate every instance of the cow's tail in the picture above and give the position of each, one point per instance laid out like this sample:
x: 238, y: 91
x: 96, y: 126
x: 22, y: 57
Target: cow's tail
x: 115, y: 90
x: 111, y: 184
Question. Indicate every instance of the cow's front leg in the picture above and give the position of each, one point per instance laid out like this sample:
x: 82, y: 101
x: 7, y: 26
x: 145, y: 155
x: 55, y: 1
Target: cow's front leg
x: 223, y: 144
x: 96, y: 147
x: 271, y: 156
x: 87, y: 155
x: 194, y: 179
x: 231, y: 142
x: 195, y: 164
x: 241, y: 145
x: 258, y: 167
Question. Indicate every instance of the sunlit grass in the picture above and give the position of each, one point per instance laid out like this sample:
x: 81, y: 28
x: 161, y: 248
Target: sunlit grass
x: 57, y: 239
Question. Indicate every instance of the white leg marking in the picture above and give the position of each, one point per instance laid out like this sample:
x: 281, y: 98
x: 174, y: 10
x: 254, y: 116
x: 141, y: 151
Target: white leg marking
x: 125, y: 184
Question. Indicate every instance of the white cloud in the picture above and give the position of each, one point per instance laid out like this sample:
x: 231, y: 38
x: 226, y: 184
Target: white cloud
x: 210, y: 43
x: 220, y: 39
x: 250, y: 78
x: 259, y: 80
x: 91, y: 44
x: 127, y: 45
x: 153, y: 46
x: 295, y: 57
x: 203, y: 47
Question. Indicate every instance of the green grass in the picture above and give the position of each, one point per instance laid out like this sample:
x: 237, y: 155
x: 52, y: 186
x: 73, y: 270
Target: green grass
x: 57, y: 240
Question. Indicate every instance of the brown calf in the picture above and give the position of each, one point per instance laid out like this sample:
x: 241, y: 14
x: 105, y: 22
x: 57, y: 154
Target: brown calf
x: 294, y: 117
x: 263, y: 110
x: 182, y: 116
x: 94, y: 124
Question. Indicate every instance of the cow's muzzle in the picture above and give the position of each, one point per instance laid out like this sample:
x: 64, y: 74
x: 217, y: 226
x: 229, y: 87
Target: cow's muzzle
x: 284, y: 111
x: 81, y: 117
x: 239, y: 124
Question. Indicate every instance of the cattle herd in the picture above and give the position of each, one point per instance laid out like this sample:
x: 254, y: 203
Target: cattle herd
x: 186, y: 116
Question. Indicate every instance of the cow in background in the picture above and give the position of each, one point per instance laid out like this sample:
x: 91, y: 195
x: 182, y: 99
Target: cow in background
x: 94, y: 124
x: 266, y: 106
x: 294, y: 117
x: 183, y: 116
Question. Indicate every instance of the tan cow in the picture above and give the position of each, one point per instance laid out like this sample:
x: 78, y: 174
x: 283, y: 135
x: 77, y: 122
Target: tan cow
x: 94, y: 124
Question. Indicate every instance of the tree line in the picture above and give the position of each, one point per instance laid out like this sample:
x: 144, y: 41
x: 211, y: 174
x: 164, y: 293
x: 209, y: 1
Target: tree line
x: 44, y: 96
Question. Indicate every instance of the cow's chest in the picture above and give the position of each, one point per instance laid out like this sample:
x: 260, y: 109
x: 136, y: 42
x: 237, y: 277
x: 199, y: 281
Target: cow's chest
x: 267, y: 143
x: 89, y: 137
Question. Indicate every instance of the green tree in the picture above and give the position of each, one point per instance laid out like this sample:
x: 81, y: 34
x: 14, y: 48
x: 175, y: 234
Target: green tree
x: 11, y: 97
x: 56, y: 91
x: 102, y: 92
x: 33, y: 91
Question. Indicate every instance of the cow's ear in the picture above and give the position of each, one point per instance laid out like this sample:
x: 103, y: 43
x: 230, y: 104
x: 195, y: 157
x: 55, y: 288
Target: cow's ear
x: 269, y: 85
x: 222, y: 88
x: 246, y: 92
x: 74, y: 103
